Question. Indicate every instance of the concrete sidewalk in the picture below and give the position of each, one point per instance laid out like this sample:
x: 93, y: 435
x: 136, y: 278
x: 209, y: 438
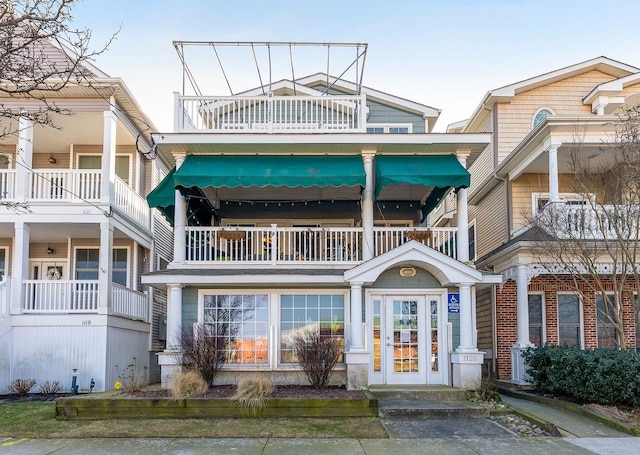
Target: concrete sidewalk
x: 440, y: 446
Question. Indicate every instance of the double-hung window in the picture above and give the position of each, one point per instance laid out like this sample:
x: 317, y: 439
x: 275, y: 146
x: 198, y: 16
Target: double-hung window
x: 569, y: 320
x: 607, y: 337
x: 536, y: 320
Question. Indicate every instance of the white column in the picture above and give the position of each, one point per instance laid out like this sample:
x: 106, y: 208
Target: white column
x: 367, y: 207
x: 105, y: 260
x: 522, y: 312
x: 554, y: 195
x: 463, y: 226
x: 20, y: 270
x: 179, y: 222
x: 466, y: 319
x: 174, y: 317
x: 108, y: 155
x: 357, y: 334
x: 25, y: 160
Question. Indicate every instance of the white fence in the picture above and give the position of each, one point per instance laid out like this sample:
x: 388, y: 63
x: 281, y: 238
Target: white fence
x: 129, y: 303
x: 66, y: 184
x: 7, y: 183
x: 563, y: 220
x: 277, y: 245
x: 283, y: 114
x: 130, y: 202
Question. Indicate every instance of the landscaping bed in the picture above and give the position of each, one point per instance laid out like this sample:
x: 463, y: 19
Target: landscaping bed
x: 284, y: 402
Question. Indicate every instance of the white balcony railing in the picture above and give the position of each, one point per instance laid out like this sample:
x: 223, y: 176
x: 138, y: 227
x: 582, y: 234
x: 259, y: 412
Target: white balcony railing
x: 7, y: 183
x: 295, y: 245
x: 272, y: 114
x: 129, y: 303
x: 61, y: 296
x: 564, y: 220
x: 130, y: 202
x: 66, y: 185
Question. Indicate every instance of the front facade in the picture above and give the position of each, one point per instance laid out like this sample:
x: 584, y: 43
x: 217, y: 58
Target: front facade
x: 527, y: 172
x: 76, y: 234
x: 304, y: 204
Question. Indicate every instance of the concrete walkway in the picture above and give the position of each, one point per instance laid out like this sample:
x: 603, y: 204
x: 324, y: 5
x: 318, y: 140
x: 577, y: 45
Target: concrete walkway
x: 569, y: 423
x: 439, y: 446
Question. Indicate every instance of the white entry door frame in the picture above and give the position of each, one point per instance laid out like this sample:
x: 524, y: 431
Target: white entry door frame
x: 408, y: 335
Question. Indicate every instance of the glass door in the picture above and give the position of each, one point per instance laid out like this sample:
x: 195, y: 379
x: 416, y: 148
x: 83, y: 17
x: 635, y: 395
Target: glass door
x: 405, y: 340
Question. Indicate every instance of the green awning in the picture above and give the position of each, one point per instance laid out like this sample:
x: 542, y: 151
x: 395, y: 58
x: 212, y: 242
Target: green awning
x: 270, y: 170
x: 163, y: 196
x: 441, y: 171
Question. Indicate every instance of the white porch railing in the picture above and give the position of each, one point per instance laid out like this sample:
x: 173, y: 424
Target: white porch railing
x: 293, y: 245
x: 7, y: 183
x: 61, y: 296
x: 129, y: 303
x: 5, y: 293
x: 273, y: 114
x: 130, y: 202
x: 67, y: 184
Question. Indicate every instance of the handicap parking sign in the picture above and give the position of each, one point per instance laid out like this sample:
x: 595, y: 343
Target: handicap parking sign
x: 453, y: 303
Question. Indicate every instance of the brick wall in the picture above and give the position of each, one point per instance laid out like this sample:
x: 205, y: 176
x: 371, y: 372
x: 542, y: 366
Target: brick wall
x: 506, y: 308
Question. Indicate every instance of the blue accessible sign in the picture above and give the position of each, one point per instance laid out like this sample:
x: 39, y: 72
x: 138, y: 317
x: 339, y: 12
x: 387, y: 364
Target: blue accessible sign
x: 453, y: 303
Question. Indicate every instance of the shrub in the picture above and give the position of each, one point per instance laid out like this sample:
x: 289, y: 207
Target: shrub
x: 21, y: 386
x: 317, y: 355
x: 188, y: 384
x: 50, y: 387
x: 251, y: 394
x: 131, y: 378
x: 602, y: 376
x: 202, y: 351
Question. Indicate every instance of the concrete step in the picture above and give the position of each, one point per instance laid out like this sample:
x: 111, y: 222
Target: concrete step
x: 430, y: 409
x: 420, y: 393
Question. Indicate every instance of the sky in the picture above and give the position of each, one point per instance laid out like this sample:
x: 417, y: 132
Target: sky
x: 445, y: 53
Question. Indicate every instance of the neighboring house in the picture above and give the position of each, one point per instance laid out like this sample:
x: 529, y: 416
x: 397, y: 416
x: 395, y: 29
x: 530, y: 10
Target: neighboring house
x: 535, y: 124
x: 303, y: 204
x: 76, y: 234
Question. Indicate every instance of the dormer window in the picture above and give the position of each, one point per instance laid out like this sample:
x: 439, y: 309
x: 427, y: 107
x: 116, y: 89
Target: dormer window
x: 540, y: 116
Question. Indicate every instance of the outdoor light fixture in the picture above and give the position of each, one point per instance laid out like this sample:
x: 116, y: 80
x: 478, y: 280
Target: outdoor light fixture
x: 50, y: 249
x: 52, y: 159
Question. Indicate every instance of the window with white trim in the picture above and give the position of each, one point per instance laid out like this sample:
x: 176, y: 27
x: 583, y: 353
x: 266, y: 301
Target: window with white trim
x: 539, y: 116
x: 536, y: 320
x: 606, y: 333
x: 240, y: 322
x: 122, y: 165
x: 472, y: 241
x: 88, y: 264
x: 569, y: 320
x: 389, y: 128
x: 321, y: 312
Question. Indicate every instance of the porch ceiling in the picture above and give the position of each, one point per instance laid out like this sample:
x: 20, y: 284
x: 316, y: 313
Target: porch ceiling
x: 58, y: 232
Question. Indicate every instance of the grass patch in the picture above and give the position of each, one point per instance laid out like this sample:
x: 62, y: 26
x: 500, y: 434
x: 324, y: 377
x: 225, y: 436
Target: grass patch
x: 37, y: 420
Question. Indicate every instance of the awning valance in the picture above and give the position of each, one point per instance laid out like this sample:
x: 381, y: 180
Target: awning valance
x: 441, y: 171
x: 163, y: 196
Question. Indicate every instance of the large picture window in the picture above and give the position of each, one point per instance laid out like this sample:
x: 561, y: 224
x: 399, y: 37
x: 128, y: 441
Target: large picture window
x: 309, y: 312
x: 241, y: 324
x: 569, y: 320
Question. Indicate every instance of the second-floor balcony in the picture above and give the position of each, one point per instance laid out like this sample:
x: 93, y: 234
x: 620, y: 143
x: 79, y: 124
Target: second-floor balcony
x: 271, y: 114
x: 277, y: 245
x: 74, y: 186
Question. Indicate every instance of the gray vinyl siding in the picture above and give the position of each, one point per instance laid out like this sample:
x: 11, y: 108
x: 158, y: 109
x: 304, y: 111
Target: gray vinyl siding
x: 484, y: 318
x: 491, y: 220
x: 392, y: 279
x: 159, y: 311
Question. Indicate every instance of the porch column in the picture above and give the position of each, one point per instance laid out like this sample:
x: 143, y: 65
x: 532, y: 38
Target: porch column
x: 20, y: 265
x: 105, y: 259
x: 108, y: 155
x: 367, y: 206
x: 518, y: 367
x: 25, y: 158
x: 554, y: 195
x: 179, y: 221
x: 463, y: 226
x: 357, y: 358
x: 169, y: 360
x: 466, y: 359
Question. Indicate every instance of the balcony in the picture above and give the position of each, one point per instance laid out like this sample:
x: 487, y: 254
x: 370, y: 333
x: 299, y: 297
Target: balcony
x: 270, y: 114
x: 296, y: 246
x: 81, y: 297
x: 75, y: 185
